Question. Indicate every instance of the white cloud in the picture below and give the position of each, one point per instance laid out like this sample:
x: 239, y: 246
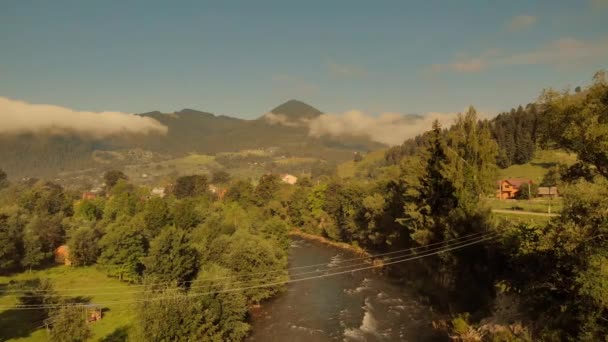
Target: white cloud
x: 562, y: 52
x: 280, y: 119
x: 387, y: 128
x: 521, y: 22
x: 22, y: 117
x: 345, y: 70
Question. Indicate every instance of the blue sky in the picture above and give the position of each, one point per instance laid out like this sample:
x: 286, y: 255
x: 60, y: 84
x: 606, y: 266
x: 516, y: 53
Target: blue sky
x: 243, y: 58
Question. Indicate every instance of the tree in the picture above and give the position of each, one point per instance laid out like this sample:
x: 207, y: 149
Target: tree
x: 3, y: 179
x: 171, y: 258
x: 112, y: 177
x: 185, y: 215
x: 83, y: 246
x: 11, y: 243
x: 220, y: 177
x: 70, y: 324
x: 240, y: 191
x: 266, y: 189
x: 34, y: 253
x: 190, y: 186
x: 247, y: 255
x: 577, y: 122
x: 122, y: 248
x: 155, y: 216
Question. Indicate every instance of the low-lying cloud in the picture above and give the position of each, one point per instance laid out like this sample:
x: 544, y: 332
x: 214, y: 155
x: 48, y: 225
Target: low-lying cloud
x: 22, y: 117
x: 280, y: 119
x: 386, y: 128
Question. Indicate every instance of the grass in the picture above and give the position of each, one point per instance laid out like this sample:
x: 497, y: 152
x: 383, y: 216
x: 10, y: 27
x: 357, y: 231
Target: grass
x: 538, y: 166
x: 295, y: 160
x: 519, y: 219
x: 20, y: 325
x: 536, y: 205
x: 349, y: 169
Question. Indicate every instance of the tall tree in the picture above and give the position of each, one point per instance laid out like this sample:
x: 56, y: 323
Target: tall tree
x: 190, y: 186
x: 171, y: 258
x: 112, y: 177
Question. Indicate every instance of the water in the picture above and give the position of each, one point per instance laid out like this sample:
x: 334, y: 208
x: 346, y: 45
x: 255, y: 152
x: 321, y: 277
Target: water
x: 360, y: 306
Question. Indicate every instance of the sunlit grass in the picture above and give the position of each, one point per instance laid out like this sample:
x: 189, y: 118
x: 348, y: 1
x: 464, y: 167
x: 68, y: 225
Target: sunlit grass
x: 91, y: 283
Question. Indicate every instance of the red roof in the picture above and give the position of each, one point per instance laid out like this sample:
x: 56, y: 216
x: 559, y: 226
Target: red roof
x: 517, y: 182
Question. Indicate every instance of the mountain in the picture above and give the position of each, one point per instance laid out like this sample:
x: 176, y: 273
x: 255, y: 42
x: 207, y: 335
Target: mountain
x: 189, y: 130
x: 295, y: 110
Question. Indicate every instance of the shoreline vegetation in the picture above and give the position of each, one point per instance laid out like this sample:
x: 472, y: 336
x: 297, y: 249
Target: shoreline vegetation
x: 341, y: 245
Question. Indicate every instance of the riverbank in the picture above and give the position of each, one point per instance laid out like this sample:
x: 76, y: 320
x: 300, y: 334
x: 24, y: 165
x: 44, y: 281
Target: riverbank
x: 342, y: 245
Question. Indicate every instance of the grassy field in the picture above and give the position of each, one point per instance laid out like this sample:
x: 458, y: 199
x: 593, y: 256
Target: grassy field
x: 538, y: 166
x: 348, y: 169
x: 536, y: 205
x: 88, y: 282
x: 517, y: 219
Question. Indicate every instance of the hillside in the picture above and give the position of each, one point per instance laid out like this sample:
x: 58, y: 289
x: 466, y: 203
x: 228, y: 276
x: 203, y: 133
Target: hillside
x: 189, y: 131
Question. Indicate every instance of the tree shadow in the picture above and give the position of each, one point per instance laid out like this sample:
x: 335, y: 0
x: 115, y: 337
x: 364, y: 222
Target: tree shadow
x: 544, y: 165
x: 15, y: 323
x: 119, y: 335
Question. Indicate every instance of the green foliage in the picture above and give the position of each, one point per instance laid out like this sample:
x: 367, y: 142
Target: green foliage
x: 527, y: 192
x: 185, y: 214
x: 578, y: 122
x: 220, y: 177
x: 177, y: 315
x: 123, y: 247
x: 190, y: 186
x: 266, y: 189
x: 248, y: 254
x: 112, y: 177
x: 156, y: 215
x: 11, y: 243
x: 69, y: 324
x: 240, y: 191
x: 516, y: 133
x: 83, y: 246
x: 89, y: 210
x: 171, y: 258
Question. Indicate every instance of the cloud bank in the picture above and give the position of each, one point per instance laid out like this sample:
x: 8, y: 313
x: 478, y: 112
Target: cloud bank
x: 387, y: 128
x: 280, y: 119
x: 22, y: 117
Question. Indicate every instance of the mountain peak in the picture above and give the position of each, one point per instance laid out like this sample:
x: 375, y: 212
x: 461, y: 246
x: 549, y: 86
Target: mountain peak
x: 295, y: 109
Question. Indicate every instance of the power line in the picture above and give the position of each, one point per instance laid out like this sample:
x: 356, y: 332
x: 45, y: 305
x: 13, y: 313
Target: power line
x: 423, y: 255
x: 255, y: 273
x: 258, y: 279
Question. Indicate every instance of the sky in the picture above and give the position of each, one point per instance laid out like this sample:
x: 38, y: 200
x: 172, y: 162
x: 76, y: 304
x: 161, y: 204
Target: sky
x: 244, y: 58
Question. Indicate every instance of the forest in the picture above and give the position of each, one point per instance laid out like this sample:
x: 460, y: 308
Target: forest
x: 529, y: 282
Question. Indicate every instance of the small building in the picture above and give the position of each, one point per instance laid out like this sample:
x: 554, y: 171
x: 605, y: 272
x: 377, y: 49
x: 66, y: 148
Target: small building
x: 508, y: 188
x: 547, y: 191
x: 158, y: 192
x: 289, y: 179
x: 89, y: 195
x: 62, y: 255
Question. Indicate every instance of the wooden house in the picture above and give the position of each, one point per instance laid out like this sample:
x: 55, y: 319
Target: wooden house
x: 508, y: 188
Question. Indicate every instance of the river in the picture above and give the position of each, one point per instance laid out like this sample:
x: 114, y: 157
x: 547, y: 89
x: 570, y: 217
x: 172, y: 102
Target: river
x: 357, y: 306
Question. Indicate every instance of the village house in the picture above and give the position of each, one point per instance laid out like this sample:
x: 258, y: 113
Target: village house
x: 88, y: 195
x: 158, y: 192
x: 548, y: 191
x: 508, y: 188
x: 289, y: 179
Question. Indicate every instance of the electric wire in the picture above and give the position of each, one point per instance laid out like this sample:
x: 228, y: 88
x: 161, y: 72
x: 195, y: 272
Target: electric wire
x: 199, y: 294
